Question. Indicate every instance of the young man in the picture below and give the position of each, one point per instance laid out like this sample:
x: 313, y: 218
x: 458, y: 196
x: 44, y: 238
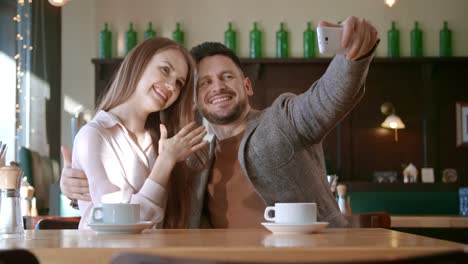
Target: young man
x: 259, y: 158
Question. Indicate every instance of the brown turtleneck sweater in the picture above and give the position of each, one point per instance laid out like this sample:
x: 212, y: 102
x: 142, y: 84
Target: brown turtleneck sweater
x: 232, y: 200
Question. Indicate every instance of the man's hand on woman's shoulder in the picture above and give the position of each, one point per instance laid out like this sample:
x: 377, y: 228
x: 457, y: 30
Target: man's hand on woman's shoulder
x: 73, y: 183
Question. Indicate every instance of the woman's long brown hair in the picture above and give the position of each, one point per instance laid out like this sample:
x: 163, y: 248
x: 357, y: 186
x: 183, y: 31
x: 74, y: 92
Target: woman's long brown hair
x: 175, y: 117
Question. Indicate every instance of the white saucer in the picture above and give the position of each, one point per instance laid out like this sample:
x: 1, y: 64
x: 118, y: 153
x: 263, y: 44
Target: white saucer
x: 295, y: 228
x: 101, y: 228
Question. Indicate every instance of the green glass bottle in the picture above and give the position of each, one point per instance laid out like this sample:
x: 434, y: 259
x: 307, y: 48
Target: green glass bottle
x: 255, y: 42
x: 445, y: 47
x: 178, y: 35
x: 393, y: 41
x: 416, y: 41
x: 230, y: 38
x: 309, y: 42
x: 149, y: 33
x: 130, y: 39
x: 105, y: 43
x: 282, y: 45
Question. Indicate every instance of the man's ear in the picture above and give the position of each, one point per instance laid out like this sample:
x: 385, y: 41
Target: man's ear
x: 248, y: 86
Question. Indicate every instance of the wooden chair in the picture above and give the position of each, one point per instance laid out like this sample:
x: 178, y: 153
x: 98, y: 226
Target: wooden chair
x: 369, y: 220
x: 42, y: 172
x: 58, y: 223
x: 17, y: 256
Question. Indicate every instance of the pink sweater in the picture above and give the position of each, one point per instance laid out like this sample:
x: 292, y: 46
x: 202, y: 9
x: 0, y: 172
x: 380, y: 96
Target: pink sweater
x: 117, y: 168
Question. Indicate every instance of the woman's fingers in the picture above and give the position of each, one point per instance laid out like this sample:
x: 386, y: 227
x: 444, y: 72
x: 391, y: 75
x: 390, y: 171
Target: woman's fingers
x: 184, y: 143
x: 196, y: 139
x: 199, y: 146
x: 185, y: 130
x: 195, y: 133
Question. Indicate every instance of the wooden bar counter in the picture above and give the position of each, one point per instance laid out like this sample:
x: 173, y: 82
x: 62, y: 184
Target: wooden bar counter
x: 429, y: 221
x: 73, y: 246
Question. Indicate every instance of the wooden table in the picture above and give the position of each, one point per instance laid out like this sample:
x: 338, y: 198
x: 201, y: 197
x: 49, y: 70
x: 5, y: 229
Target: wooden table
x: 73, y: 246
x: 429, y: 221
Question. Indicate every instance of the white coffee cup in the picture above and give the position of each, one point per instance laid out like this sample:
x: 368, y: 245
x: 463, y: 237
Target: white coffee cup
x: 292, y: 213
x: 118, y: 213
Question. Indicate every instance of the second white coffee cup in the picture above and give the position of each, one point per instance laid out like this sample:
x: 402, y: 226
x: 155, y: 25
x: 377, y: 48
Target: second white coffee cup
x: 119, y: 213
x: 292, y: 213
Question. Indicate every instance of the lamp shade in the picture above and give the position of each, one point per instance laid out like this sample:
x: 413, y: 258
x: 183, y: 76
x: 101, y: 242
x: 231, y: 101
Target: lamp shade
x: 390, y: 3
x: 58, y: 3
x: 394, y: 122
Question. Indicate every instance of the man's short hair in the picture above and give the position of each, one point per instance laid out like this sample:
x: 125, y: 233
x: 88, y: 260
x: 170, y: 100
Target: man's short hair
x: 207, y: 49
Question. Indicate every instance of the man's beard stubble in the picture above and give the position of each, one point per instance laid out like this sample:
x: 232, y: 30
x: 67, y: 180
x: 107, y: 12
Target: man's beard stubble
x: 232, y: 116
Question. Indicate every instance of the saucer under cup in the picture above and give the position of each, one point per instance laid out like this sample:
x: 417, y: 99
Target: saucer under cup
x: 114, y: 229
x: 295, y: 228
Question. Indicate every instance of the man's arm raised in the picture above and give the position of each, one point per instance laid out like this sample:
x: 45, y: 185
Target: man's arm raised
x: 73, y: 183
x: 315, y: 112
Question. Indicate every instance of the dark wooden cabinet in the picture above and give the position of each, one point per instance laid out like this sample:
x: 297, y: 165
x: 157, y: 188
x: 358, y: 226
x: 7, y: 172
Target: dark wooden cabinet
x: 424, y: 92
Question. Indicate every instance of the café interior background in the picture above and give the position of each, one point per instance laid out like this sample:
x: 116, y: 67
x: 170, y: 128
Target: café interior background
x: 81, y: 21
x: 206, y: 20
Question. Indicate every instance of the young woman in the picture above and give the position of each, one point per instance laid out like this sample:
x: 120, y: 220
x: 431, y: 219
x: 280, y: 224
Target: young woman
x: 134, y: 149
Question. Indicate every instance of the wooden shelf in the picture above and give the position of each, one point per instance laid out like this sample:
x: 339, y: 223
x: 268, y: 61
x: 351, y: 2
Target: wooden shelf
x: 374, y: 61
x: 320, y: 60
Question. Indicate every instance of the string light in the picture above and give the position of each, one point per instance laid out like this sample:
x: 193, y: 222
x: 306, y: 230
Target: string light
x: 23, y: 53
x: 17, y: 18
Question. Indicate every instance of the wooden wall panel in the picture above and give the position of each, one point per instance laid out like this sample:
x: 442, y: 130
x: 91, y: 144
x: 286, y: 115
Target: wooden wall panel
x: 424, y: 92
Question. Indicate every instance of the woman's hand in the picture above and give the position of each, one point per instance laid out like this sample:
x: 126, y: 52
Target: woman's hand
x: 183, y: 144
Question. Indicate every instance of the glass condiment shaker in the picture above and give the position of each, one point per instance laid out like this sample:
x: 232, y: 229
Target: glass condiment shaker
x: 11, y: 220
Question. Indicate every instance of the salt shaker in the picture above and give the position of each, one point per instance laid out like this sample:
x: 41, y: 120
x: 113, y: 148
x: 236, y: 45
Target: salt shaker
x: 345, y: 208
x: 11, y: 220
x: 26, y: 194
